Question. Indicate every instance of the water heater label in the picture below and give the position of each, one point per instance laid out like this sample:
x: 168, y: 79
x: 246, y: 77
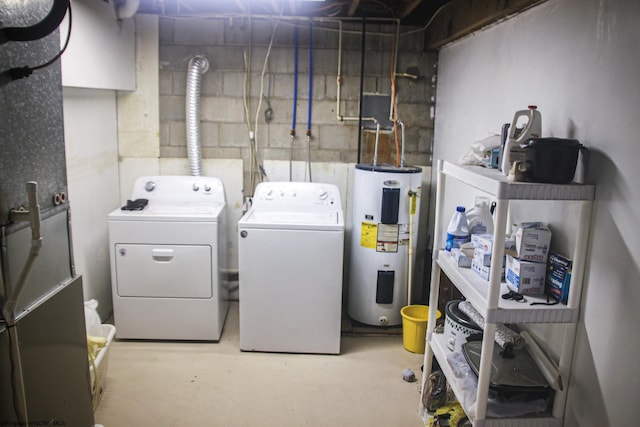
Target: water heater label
x: 368, y: 235
x: 387, y: 238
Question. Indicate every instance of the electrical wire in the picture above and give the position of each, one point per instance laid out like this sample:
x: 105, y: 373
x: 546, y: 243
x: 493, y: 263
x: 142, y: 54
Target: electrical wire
x: 25, y: 71
x: 256, y: 162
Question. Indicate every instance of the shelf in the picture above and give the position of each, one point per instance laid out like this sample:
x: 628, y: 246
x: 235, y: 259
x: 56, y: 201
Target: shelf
x: 492, y: 181
x: 485, y: 295
x: 440, y: 351
x: 475, y: 289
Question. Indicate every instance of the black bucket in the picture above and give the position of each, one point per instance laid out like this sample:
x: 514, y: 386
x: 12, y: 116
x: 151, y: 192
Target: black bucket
x: 551, y: 160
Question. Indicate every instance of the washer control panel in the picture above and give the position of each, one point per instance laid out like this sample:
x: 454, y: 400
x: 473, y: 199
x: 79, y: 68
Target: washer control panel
x: 296, y: 194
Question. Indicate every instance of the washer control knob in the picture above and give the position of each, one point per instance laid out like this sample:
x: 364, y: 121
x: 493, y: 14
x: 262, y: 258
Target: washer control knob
x: 196, y: 187
x: 150, y: 186
x: 322, y: 195
x: 207, y: 188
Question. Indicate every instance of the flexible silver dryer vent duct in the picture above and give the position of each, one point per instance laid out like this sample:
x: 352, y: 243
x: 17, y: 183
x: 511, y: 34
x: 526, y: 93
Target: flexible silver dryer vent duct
x: 197, y: 66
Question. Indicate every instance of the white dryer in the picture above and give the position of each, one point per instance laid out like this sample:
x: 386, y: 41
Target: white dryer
x: 166, y: 260
x: 290, y: 250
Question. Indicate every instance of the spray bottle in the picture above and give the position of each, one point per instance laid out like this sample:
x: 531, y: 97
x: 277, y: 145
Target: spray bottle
x: 519, y: 133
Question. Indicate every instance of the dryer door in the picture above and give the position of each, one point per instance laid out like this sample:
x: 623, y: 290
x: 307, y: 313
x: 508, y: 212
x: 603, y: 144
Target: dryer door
x: 169, y: 271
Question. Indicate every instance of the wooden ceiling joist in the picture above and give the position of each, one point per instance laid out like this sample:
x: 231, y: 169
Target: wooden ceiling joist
x: 462, y: 17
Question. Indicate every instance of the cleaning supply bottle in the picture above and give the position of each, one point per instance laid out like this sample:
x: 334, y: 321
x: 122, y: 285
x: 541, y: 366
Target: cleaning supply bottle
x: 479, y: 217
x: 458, y: 230
x: 518, y: 133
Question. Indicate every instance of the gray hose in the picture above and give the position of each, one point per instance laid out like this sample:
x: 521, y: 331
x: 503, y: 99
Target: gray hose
x: 197, y: 66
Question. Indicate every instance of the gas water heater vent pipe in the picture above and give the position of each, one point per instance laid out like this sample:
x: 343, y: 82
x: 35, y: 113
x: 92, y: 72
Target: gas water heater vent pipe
x: 197, y: 66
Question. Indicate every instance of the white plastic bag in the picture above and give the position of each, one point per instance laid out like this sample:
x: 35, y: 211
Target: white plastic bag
x: 91, y: 318
x: 479, y: 153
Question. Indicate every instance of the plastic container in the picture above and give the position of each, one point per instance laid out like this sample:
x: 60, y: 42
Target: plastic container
x: 99, y: 338
x: 526, y: 124
x: 414, y: 327
x: 98, y: 369
x: 551, y: 160
x: 479, y: 218
x: 457, y: 326
x: 458, y: 230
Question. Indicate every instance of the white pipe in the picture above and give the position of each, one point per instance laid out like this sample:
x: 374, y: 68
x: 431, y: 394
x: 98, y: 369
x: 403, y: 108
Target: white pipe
x: 547, y: 368
x: 127, y: 8
x: 11, y: 303
x: 339, y: 115
x: 375, y: 152
x: 33, y: 216
x: 435, y: 280
x: 401, y: 123
x: 412, y: 196
x: 197, y: 66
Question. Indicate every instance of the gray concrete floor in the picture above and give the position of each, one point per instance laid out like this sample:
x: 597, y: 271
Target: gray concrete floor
x: 215, y: 384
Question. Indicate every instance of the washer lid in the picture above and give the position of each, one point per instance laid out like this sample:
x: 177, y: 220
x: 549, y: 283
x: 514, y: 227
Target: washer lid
x: 295, y: 219
x: 180, y: 211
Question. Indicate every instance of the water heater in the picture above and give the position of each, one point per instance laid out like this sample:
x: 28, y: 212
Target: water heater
x: 385, y: 224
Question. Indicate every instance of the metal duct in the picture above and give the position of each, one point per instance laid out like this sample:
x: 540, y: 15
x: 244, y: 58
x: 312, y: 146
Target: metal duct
x: 197, y: 66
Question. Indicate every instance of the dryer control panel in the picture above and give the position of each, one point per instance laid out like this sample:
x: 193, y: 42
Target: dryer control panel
x: 298, y: 194
x: 176, y: 189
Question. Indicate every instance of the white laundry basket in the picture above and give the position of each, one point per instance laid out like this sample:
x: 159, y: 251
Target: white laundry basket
x: 98, y: 353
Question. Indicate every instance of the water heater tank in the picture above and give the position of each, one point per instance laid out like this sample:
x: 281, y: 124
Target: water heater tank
x: 382, y: 206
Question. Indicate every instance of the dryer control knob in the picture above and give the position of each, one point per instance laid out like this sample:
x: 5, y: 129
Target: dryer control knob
x: 322, y: 195
x: 150, y: 186
x: 207, y: 188
x: 196, y: 187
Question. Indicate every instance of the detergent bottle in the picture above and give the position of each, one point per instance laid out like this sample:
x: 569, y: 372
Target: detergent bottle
x: 479, y: 217
x: 526, y: 124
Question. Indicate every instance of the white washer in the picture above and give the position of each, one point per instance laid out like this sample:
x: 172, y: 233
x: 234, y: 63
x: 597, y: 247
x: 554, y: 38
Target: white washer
x: 290, y: 250
x: 166, y: 260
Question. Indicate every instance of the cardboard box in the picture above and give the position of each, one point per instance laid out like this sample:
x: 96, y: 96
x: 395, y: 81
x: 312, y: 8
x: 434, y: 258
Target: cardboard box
x: 482, y: 270
x: 525, y: 277
x: 559, y: 276
x: 461, y: 257
x: 531, y: 242
x: 484, y: 242
x: 484, y: 258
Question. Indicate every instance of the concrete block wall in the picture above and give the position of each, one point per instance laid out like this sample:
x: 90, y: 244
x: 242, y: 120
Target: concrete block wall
x: 230, y: 43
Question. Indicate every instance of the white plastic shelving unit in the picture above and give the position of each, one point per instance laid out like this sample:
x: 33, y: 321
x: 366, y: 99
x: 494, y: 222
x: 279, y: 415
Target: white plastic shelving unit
x: 485, y: 296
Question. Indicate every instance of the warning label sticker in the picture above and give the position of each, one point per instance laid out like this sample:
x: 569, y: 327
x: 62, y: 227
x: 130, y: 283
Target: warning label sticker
x: 387, y: 240
x: 368, y: 235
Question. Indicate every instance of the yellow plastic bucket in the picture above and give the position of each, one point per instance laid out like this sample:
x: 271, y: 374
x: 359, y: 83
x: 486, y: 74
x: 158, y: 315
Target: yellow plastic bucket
x: 414, y: 326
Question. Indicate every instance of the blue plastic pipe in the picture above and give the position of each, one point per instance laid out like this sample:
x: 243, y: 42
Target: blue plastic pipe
x: 295, y: 80
x: 310, y: 77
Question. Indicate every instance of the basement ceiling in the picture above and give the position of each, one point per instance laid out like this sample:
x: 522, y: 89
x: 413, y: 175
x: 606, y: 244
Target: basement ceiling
x: 442, y: 20
x: 409, y: 12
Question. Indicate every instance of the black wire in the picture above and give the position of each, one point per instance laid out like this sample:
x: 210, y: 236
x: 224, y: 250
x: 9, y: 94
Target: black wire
x: 66, y: 44
x: 18, y: 73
